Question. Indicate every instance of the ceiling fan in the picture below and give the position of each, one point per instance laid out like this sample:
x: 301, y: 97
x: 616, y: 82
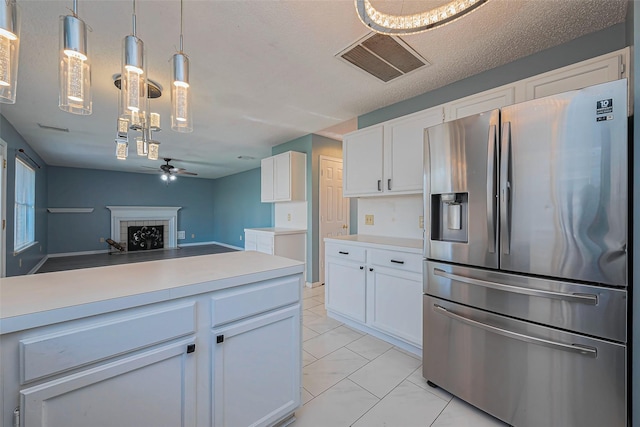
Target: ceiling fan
x: 169, y: 171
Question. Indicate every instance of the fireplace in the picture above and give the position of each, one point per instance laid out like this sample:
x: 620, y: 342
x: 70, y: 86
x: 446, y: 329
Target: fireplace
x: 123, y: 217
x: 145, y: 237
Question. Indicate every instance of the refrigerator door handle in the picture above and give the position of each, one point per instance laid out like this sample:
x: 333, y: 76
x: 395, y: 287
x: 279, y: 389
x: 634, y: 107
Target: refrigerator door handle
x: 589, y: 299
x: 505, y: 188
x: 573, y: 348
x: 491, y: 189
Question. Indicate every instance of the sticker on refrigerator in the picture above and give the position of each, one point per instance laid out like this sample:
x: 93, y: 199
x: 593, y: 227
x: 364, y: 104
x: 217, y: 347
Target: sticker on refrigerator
x: 604, y: 106
x: 604, y: 118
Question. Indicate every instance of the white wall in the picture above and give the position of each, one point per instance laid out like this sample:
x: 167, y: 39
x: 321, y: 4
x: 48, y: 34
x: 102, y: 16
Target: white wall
x: 396, y: 216
x: 297, y: 211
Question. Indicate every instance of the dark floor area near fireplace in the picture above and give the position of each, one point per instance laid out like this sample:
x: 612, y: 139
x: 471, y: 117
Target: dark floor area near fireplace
x: 101, y: 260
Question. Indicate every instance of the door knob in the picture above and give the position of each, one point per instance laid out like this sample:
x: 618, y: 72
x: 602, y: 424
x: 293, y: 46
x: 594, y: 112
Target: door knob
x: 345, y: 226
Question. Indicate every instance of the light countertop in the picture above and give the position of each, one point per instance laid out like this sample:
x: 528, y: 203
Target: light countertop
x: 410, y: 245
x: 34, y: 300
x: 277, y: 230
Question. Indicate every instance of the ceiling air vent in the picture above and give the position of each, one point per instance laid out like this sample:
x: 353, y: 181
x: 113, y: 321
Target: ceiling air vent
x: 384, y: 57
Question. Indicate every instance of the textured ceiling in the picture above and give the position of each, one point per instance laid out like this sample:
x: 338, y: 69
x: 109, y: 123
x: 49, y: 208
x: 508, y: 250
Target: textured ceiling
x: 263, y: 72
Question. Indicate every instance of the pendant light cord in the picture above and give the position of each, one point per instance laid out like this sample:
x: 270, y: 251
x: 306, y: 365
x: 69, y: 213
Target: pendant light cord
x: 133, y: 18
x: 75, y: 8
x: 180, y: 26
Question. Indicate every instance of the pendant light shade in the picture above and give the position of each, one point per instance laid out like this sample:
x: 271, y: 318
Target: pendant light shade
x: 133, y: 84
x: 181, y: 95
x: 9, y: 47
x: 180, y: 90
x: 74, y: 66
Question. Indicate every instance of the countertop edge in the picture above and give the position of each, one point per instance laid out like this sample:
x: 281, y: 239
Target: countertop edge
x: 393, y: 243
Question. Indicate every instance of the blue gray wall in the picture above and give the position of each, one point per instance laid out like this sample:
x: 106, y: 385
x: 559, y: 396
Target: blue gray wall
x: 25, y: 261
x: 236, y: 206
x: 78, y: 188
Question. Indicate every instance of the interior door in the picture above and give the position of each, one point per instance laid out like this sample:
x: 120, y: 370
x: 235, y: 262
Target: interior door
x: 564, y: 185
x: 334, y: 208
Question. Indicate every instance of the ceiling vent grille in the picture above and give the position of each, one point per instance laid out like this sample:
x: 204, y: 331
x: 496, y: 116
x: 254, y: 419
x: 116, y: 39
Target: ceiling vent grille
x: 384, y: 57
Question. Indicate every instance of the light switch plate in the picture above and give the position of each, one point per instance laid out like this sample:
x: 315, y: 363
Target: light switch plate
x: 421, y: 221
x: 368, y: 220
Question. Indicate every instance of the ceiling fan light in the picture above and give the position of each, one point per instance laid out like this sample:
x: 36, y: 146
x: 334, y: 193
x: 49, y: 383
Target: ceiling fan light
x: 9, y: 48
x: 172, y: 177
x: 74, y: 66
x: 164, y: 177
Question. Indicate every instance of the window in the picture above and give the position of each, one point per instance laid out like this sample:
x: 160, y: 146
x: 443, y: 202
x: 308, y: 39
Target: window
x: 25, y: 225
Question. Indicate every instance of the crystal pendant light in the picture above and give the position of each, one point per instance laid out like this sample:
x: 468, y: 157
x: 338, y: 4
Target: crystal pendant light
x: 75, y: 69
x: 133, y: 84
x: 9, y: 47
x: 122, y: 139
x: 181, y: 120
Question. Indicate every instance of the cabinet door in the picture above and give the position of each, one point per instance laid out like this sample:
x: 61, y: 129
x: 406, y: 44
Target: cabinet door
x: 481, y: 102
x: 403, y: 148
x: 395, y: 303
x: 346, y: 288
x: 153, y: 388
x: 267, y: 193
x: 577, y: 76
x: 362, y: 153
x: 258, y: 361
x: 282, y: 177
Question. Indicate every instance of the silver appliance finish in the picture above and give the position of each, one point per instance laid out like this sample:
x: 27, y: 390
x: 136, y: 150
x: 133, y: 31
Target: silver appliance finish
x: 525, y: 310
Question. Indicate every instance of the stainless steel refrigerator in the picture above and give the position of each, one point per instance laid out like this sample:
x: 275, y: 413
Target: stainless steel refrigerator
x: 526, y: 265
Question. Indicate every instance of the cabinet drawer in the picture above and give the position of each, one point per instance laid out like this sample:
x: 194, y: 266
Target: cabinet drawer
x: 395, y: 259
x: 46, y: 355
x: 235, y: 304
x: 353, y: 253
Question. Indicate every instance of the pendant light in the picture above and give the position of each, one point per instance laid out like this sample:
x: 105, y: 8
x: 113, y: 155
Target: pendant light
x: 75, y: 69
x: 122, y: 139
x: 180, y: 91
x: 133, y: 85
x: 9, y: 46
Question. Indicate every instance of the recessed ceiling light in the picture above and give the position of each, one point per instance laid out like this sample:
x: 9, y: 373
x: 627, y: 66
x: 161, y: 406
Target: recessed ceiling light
x: 53, y: 128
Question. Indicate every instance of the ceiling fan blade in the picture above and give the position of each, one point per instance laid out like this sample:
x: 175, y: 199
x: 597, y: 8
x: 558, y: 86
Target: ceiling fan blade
x: 184, y: 172
x: 151, y: 167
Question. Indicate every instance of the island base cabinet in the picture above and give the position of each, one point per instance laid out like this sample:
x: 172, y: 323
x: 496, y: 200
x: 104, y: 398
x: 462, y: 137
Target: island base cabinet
x: 152, y: 388
x: 257, y: 360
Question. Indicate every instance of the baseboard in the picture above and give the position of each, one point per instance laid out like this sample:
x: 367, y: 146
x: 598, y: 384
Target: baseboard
x: 183, y: 245
x: 61, y: 254
x: 313, y: 285
x: 35, y: 269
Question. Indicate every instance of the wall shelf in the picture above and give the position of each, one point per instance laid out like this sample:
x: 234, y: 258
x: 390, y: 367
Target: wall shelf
x: 70, y: 210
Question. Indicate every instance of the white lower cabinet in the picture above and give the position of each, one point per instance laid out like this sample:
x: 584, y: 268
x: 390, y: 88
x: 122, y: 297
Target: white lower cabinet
x: 257, y: 361
x: 376, y: 290
x: 153, y: 388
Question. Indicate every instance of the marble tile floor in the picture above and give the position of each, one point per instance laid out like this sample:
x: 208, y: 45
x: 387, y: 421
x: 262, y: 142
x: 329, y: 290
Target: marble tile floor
x: 353, y: 379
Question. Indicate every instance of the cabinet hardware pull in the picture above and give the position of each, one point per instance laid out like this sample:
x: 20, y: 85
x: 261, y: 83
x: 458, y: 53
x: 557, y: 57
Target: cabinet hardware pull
x: 371, y: 269
x: 343, y: 253
x: 379, y: 185
x: 361, y: 268
x: 219, y: 339
x: 395, y: 261
x: 389, y: 184
x: 191, y: 348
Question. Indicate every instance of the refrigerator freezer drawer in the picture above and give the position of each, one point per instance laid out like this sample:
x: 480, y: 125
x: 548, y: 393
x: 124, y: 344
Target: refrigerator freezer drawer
x: 592, y: 310
x: 525, y: 374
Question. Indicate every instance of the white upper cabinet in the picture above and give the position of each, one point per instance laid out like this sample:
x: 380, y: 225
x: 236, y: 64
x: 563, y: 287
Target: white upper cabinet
x: 284, y: 177
x: 362, y: 151
x: 386, y: 159
x: 481, y: 102
x: 594, y: 71
x: 403, y: 150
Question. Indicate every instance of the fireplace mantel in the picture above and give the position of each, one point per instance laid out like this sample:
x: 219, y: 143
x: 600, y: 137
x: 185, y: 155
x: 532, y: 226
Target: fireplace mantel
x: 146, y: 213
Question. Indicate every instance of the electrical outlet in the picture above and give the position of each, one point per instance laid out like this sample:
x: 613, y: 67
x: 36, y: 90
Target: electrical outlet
x: 241, y: 237
x: 421, y: 221
x: 102, y: 240
x: 193, y: 236
x: 20, y: 262
x: 288, y: 217
x: 368, y: 220
x: 181, y: 234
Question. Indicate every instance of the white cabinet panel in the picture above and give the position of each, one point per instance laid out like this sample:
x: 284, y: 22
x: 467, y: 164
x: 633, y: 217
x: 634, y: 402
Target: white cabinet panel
x: 345, y: 283
x: 154, y: 388
x: 362, y: 154
x: 481, y: 102
x: 283, y: 177
x: 395, y: 303
x: 257, y: 361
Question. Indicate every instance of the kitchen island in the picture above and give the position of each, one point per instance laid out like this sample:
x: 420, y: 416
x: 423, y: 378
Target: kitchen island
x: 212, y: 340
